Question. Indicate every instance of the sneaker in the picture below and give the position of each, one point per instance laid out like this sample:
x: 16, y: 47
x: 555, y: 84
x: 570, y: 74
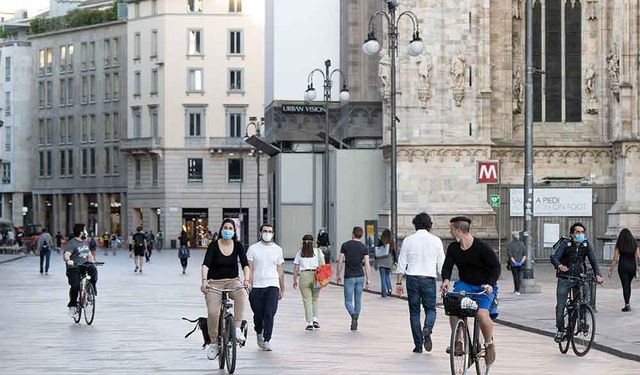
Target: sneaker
x: 183, y: 272
x: 267, y: 346
x: 240, y: 335
x: 136, y: 270
x: 490, y: 354
x: 354, y: 323
x: 260, y: 340
x: 417, y: 349
x: 558, y: 337
x: 140, y: 270
x: 428, y: 343
x: 309, y: 327
x: 41, y: 272
x: 316, y: 325
x: 516, y: 293
x: 73, y: 311
x: 626, y: 308
x: 459, y: 349
x: 212, y: 351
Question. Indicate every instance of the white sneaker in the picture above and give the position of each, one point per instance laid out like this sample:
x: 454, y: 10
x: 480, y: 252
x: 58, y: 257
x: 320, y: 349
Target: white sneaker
x: 516, y: 293
x: 212, y: 351
x: 266, y: 346
x: 240, y: 335
x: 260, y: 340
x: 72, y: 311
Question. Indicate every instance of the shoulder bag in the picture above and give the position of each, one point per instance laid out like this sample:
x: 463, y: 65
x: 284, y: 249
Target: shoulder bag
x: 323, y: 272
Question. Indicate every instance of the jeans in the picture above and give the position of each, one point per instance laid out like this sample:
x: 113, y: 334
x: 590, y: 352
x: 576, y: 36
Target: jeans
x: 421, y: 291
x: 562, y: 292
x: 353, y: 295
x: 264, y: 303
x: 385, y: 281
x: 45, y: 254
x: 516, y: 272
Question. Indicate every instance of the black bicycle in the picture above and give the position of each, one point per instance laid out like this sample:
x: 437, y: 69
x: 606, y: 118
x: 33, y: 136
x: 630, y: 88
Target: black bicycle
x: 464, y: 350
x: 579, y: 319
x: 86, y: 295
x: 227, y: 340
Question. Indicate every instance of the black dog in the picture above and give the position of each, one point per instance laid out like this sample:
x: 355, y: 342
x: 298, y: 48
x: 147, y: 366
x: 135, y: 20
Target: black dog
x: 201, y: 323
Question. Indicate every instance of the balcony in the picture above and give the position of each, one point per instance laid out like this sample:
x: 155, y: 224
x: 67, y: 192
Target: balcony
x: 227, y: 143
x: 145, y: 145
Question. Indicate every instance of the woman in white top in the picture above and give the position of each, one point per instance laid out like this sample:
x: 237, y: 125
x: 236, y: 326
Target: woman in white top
x: 305, y: 264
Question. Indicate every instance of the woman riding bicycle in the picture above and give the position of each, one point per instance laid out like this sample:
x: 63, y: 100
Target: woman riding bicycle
x: 76, y: 253
x: 220, y: 270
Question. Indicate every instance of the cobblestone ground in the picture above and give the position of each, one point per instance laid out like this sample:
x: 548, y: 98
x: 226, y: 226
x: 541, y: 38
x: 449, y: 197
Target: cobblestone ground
x: 138, y: 330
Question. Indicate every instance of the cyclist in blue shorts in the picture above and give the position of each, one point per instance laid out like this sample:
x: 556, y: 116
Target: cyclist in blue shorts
x: 478, y: 270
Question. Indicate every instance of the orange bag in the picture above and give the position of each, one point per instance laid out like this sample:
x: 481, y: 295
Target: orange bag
x: 323, y: 275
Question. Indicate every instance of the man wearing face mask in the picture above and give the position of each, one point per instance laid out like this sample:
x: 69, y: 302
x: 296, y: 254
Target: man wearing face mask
x: 266, y: 262
x: 569, y: 260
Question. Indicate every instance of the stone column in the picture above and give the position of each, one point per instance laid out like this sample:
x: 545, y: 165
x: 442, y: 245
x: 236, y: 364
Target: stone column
x: 124, y: 217
x: 16, y: 212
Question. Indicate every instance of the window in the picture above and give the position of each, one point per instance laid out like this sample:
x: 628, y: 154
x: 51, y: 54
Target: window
x: 137, y: 167
x: 70, y: 162
x: 194, y: 5
x: 115, y: 51
x: 41, y: 64
x: 116, y: 126
x: 41, y: 94
x: 63, y: 59
x: 85, y: 162
x: 49, y: 85
x: 41, y: 164
x: 49, y: 163
x: 154, y: 172
x: 92, y: 128
x: 7, y: 69
x: 107, y: 52
x: 136, y: 9
x: 85, y: 129
x: 194, y: 123
x: 70, y: 57
x: 70, y: 129
x: 92, y: 156
x: 154, y: 7
x: 107, y: 86
x: 49, y: 131
x: 63, y: 130
x: 116, y: 161
x: 106, y: 123
x: 70, y: 90
x: 137, y: 123
x: 557, y: 51
x: 195, y: 42
x: 235, y: 170
x: 194, y: 170
x: 63, y: 162
x: 94, y: 88
x: 107, y: 160
x: 235, y: 42
x: 235, y: 6
x: 194, y: 80
x: 154, y: 43
x: 7, y: 138
x: 154, y: 81
x: 92, y: 55
x: 6, y: 173
x: 116, y: 86
x: 49, y: 66
x: 136, y: 46
x: 137, y: 83
x: 153, y: 117
x: 83, y: 56
x: 235, y: 119
x: 7, y: 103
x: 235, y: 80
x: 62, y: 99
x: 85, y: 89
x: 41, y: 131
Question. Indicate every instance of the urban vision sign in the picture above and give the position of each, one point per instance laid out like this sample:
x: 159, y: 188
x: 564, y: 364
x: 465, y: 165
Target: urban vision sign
x: 308, y: 109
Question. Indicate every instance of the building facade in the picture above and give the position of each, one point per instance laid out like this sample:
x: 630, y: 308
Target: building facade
x: 79, y: 105
x: 195, y: 73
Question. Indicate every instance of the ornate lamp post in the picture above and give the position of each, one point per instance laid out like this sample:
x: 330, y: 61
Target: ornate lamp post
x: 257, y: 125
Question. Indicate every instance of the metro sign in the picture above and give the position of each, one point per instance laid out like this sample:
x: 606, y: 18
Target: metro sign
x: 488, y: 172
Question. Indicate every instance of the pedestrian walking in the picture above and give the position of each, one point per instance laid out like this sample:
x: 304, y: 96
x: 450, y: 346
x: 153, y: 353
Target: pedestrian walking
x: 160, y: 242
x: 183, y: 251
x: 305, y: 264
x: 105, y: 242
x: 421, y: 259
x: 114, y: 243
x: 385, y: 257
x: 352, y: 254
x: 324, y: 244
x: 517, y: 253
x: 58, y: 242
x: 220, y: 270
x: 150, y: 240
x: 266, y: 262
x: 139, y: 249
x: 130, y: 243
x: 45, y: 244
x: 625, y: 254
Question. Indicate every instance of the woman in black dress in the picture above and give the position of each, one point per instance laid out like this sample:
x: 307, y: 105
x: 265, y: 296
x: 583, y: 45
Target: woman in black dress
x: 625, y: 254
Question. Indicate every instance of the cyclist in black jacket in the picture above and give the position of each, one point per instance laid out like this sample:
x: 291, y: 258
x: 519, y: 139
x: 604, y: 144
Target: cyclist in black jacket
x: 569, y: 260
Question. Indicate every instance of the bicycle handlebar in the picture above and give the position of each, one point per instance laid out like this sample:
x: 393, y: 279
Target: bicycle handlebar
x: 465, y: 293
x: 225, y: 290
x: 86, y: 264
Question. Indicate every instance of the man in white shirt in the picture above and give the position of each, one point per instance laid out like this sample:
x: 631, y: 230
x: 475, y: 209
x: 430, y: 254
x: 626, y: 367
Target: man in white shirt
x: 266, y: 262
x: 421, y: 259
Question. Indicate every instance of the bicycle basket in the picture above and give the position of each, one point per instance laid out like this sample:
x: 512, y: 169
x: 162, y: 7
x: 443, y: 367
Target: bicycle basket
x: 456, y: 304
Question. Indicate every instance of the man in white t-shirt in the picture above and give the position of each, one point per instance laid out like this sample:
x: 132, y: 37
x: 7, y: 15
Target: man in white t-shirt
x: 266, y: 262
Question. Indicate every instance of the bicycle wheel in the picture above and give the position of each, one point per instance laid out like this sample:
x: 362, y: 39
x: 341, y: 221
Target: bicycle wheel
x: 566, y: 340
x: 220, y: 339
x: 459, y: 360
x: 479, y: 351
x: 584, y: 330
x: 230, y: 344
x: 89, y: 303
x: 76, y: 318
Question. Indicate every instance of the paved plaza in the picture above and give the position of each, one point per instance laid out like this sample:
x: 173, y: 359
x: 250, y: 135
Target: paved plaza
x: 138, y: 330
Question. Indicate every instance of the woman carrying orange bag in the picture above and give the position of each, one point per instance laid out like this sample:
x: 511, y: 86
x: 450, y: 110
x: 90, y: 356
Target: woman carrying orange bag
x: 305, y: 263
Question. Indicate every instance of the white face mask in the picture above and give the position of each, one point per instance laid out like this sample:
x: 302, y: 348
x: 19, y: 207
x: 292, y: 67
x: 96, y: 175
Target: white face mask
x: 267, y: 237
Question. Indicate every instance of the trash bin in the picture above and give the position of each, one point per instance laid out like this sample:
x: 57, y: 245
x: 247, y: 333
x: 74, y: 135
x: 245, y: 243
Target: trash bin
x: 173, y: 244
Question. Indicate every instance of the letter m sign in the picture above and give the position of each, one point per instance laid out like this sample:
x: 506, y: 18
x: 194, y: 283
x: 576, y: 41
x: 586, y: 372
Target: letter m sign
x: 488, y: 172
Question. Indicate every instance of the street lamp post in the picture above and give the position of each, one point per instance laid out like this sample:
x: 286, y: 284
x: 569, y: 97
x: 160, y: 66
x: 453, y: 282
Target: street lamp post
x: 257, y: 125
x: 371, y: 46
x: 310, y: 95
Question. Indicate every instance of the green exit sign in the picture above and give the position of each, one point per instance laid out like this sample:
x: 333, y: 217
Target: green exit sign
x: 494, y: 200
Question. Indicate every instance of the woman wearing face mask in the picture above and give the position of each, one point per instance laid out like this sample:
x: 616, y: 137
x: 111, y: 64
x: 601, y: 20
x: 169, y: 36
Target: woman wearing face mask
x: 305, y: 264
x: 220, y: 270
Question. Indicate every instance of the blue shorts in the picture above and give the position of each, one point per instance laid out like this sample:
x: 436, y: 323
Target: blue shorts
x: 484, y: 301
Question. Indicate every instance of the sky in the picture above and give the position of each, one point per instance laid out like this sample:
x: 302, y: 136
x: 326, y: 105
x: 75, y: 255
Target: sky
x: 33, y: 6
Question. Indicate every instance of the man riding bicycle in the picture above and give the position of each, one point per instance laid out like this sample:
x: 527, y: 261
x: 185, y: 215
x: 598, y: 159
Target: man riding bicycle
x: 569, y: 261
x: 479, y: 270
x: 76, y: 254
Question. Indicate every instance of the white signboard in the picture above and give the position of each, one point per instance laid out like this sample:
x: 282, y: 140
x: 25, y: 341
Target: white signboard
x: 554, y: 202
x: 551, y: 234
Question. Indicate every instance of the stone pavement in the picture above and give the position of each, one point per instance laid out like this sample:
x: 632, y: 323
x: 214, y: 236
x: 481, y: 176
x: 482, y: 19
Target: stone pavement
x: 10, y: 257
x: 137, y: 330
x: 617, y: 332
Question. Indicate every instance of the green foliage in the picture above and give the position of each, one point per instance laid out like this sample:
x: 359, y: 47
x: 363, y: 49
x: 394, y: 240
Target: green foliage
x: 75, y: 18
x: 8, y: 34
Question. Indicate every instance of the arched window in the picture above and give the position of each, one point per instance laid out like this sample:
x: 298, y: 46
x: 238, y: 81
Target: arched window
x: 557, y: 50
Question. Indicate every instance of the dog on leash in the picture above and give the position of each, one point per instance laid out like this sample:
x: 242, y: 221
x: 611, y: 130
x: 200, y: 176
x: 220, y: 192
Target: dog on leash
x: 201, y: 323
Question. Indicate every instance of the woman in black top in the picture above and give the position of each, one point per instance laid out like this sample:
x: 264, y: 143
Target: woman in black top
x: 183, y: 251
x: 626, y: 251
x: 220, y: 270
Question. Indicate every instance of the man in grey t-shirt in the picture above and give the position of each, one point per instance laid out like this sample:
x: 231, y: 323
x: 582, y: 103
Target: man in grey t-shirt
x: 517, y: 257
x: 352, y: 254
x: 77, y: 256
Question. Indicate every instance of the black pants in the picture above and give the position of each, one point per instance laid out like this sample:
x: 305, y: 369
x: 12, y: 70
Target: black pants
x: 183, y: 262
x: 264, y: 303
x: 516, y: 272
x: 74, y: 275
x: 45, y: 255
x: 626, y: 276
x: 149, y: 250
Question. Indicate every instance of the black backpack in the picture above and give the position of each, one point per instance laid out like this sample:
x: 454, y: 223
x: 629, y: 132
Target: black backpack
x: 138, y: 241
x: 45, y: 245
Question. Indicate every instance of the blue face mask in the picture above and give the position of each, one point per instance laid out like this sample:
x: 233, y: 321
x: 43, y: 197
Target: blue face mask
x: 227, y: 234
x: 580, y: 238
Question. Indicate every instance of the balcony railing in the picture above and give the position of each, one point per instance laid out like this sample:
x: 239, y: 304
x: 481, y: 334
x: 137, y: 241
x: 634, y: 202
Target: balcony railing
x: 227, y: 143
x: 140, y: 145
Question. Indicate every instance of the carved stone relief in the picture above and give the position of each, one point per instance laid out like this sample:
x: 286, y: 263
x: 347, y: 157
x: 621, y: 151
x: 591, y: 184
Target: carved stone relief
x: 613, y: 66
x: 590, y: 90
x: 425, y: 68
x: 458, y: 73
x: 515, y: 7
x: 384, y: 75
x: 517, y: 90
x: 591, y: 10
